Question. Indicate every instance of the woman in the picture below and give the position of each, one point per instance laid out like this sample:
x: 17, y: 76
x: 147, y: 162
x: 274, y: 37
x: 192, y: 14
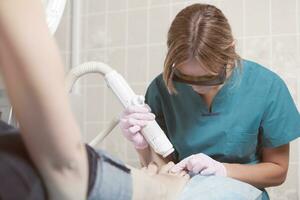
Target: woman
x: 224, y: 115
x: 49, y: 161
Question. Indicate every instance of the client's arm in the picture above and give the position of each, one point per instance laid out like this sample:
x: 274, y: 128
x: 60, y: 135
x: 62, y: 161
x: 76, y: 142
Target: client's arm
x: 33, y: 74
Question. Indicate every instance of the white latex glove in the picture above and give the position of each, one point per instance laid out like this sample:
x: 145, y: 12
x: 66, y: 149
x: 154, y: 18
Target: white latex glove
x: 132, y: 120
x: 200, y: 164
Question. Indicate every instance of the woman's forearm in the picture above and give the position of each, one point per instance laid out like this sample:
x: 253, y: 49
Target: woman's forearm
x: 259, y: 175
x: 144, y: 156
x: 34, y: 78
x: 148, y: 155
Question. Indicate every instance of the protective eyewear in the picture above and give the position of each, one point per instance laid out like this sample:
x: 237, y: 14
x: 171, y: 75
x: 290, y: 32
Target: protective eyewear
x: 209, y: 80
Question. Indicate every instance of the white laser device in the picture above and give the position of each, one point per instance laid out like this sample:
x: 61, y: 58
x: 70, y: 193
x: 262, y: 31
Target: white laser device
x: 152, y: 132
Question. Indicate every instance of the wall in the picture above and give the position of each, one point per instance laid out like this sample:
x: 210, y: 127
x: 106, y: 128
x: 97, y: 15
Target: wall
x: 130, y: 36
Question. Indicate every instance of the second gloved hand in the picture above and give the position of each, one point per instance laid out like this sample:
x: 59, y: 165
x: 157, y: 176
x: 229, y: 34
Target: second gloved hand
x: 132, y: 120
x: 200, y: 164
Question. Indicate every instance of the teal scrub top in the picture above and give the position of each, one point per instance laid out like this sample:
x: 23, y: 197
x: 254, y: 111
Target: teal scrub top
x: 253, y: 109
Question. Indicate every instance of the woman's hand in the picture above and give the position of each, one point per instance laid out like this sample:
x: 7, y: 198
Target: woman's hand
x: 133, y: 119
x: 200, y: 164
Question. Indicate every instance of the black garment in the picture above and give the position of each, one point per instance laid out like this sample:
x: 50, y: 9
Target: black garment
x: 93, y: 157
x: 19, y: 178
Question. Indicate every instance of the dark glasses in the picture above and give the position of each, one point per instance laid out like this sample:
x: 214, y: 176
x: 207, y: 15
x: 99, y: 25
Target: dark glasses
x: 211, y: 80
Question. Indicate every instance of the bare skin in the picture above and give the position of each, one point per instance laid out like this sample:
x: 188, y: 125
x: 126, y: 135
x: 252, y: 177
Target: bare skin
x: 157, y: 182
x: 33, y: 73
x: 58, y: 151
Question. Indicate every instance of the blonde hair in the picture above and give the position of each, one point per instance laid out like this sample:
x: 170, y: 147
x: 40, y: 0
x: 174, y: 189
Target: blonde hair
x: 200, y: 32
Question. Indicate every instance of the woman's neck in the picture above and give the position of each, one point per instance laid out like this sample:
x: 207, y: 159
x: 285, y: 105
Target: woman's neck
x: 209, y: 96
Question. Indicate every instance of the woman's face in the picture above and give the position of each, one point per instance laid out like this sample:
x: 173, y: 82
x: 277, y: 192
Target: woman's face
x: 192, y: 68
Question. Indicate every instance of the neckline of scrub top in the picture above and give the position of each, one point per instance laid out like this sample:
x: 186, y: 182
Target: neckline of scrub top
x: 227, y: 90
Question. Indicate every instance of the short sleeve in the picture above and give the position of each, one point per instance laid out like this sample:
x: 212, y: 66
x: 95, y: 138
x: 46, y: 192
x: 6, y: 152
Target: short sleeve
x: 281, y: 121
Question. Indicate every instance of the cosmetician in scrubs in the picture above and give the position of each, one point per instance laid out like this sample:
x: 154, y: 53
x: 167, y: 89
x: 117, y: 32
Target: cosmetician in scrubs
x: 225, y: 116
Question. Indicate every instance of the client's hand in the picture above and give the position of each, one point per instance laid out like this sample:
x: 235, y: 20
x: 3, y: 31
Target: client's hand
x: 200, y: 163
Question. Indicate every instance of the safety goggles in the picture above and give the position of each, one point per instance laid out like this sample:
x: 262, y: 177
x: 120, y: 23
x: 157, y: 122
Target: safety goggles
x: 210, y: 80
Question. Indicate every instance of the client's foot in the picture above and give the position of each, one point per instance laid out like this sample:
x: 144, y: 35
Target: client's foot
x: 157, y: 183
